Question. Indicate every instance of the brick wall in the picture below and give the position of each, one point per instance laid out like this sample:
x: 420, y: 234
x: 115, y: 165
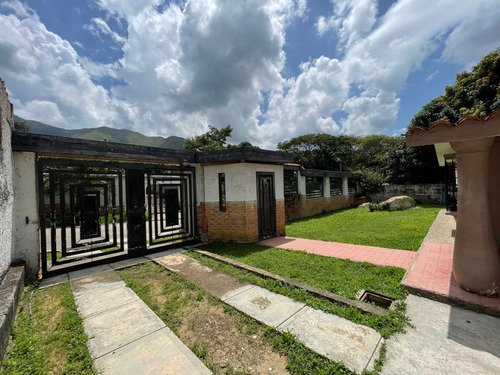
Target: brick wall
x: 238, y: 224
x: 280, y: 217
x: 298, y: 207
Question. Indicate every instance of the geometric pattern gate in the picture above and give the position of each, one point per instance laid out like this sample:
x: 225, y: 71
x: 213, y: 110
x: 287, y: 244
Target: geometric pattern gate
x: 94, y: 212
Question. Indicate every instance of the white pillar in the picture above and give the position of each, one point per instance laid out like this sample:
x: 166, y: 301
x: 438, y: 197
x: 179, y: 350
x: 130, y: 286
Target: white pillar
x: 326, y: 187
x: 301, y: 184
x: 345, y: 186
x: 26, y: 222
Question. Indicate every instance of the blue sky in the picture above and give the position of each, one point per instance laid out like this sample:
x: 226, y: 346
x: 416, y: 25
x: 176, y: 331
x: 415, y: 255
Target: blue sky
x: 272, y: 69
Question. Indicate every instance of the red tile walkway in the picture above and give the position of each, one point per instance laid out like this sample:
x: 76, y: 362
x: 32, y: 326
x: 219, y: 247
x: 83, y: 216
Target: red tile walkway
x: 357, y: 253
x: 431, y: 274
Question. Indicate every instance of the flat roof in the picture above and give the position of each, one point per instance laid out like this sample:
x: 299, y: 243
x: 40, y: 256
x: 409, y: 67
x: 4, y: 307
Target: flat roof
x: 50, y: 144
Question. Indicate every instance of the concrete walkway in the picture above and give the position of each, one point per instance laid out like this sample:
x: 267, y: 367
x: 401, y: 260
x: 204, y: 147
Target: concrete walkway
x: 358, y: 253
x: 444, y: 339
x: 336, y: 338
x: 125, y: 335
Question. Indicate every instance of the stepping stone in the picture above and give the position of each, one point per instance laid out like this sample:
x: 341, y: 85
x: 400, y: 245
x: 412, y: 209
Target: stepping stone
x: 158, y: 353
x: 334, y: 337
x: 261, y: 304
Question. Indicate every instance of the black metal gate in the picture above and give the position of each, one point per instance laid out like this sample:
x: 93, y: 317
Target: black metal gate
x: 95, y: 212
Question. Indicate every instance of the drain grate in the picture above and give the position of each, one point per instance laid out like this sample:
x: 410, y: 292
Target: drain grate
x: 377, y: 299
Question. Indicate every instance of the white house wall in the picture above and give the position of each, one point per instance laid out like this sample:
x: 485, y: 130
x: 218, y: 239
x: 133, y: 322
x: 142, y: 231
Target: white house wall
x: 26, y: 224
x: 241, y: 181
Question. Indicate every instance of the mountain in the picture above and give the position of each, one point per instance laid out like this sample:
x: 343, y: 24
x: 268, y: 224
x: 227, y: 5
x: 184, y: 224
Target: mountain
x: 104, y: 132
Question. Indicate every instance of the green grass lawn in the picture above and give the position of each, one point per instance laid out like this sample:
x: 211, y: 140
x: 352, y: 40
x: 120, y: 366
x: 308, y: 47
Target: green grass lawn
x: 48, y: 338
x: 338, y: 276
x: 402, y: 230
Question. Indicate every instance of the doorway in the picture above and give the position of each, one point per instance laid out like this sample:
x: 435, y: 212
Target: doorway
x: 266, y: 205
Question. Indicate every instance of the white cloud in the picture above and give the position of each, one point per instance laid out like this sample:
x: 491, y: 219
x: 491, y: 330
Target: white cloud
x: 187, y: 65
x: 99, y: 27
x: 482, y: 24
x: 19, y: 9
x: 42, y: 72
x: 36, y: 109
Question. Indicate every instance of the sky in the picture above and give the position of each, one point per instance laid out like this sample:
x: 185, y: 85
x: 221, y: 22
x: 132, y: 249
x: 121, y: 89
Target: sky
x: 272, y: 69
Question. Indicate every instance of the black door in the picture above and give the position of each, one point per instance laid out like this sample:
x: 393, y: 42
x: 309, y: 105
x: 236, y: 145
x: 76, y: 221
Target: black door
x: 136, y: 220
x: 171, y: 207
x: 266, y: 205
x: 90, y: 226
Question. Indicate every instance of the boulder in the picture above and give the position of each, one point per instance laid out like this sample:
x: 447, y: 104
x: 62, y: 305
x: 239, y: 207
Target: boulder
x: 364, y: 205
x: 402, y: 202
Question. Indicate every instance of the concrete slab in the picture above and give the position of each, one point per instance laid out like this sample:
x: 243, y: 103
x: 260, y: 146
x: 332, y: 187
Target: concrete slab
x: 88, y: 271
x: 265, y: 306
x: 128, y: 262
x: 115, y: 328
x: 54, y: 280
x: 236, y: 291
x: 164, y: 253
x: 444, y: 340
x: 100, y: 281
x: 214, y: 282
x: 334, y: 337
x: 97, y: 300
x: 158, y: 353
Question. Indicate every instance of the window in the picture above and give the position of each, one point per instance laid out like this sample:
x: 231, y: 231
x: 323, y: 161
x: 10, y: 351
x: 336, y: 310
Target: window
x: 222, y: 192
x: 314, y: 187
x: 290, y: 181
x: 351, y: 186
x: 335, y: 186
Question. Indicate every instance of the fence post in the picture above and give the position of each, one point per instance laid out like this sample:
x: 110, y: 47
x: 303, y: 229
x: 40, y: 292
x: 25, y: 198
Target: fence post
x: 345, y: 186
x: 326, y: 187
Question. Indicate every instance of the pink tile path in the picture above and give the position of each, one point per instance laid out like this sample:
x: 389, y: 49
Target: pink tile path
x: 357, y: 253
x: 432, y: 272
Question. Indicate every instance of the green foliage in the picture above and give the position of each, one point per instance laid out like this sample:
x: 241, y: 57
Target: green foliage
x: 475, y: 93
x: 321, y: 151
x: 377, y: 158
x: 214, y: 139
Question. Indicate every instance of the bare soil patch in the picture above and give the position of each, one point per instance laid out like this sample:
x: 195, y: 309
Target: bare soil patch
x: 224, y: 339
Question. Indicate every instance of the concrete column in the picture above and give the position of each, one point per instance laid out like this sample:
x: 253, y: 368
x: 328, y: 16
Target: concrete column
x: 6, y: 182
x: 326, y: 187
x: 345, y: 186
x: 26, y: 241
x: 301, y: 184
x: 476, y: 261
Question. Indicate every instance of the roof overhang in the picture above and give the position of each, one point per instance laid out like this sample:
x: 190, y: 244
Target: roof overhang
x: 466, y: 129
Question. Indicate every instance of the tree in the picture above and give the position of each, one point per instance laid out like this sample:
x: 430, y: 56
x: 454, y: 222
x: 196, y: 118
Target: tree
x: 21, y: 127
x: 377, y: 158
x: 475, y: 93
x: 214, y: 139
x: 321, y: 151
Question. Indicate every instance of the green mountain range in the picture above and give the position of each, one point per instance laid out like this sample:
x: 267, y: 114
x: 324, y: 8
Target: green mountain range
x: 104, y: 133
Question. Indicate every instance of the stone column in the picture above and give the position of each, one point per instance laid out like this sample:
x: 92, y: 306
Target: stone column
x: 476, y: 261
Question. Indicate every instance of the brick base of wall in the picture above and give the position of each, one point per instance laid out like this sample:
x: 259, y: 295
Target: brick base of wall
x: 298, y: 207
x: 238, y: 224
